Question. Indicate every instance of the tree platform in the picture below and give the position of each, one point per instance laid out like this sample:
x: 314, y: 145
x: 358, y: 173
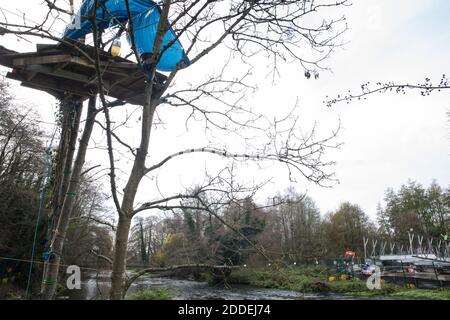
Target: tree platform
x: 67, y: 71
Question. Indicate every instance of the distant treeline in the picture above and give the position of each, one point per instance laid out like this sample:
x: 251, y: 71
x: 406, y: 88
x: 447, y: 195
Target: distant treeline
x: 293, y: 231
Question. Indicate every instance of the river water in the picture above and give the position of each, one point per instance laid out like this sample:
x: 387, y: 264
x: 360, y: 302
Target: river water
x: 95, y: 286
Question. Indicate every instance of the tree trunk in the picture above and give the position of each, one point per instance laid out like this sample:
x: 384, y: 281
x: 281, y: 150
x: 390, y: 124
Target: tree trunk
x: 119, y: 259
x: 129, y: 194
x: 71, y: 113
x: 52, y: 267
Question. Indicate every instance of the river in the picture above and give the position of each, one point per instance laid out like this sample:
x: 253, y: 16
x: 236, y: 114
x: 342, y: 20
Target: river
x: 95, y: 286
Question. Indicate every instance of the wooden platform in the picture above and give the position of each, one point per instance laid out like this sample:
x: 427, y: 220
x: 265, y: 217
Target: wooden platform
x: 65, y: 72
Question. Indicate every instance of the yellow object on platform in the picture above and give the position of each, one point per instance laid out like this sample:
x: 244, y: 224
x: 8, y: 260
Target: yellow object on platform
x: 116, y: 48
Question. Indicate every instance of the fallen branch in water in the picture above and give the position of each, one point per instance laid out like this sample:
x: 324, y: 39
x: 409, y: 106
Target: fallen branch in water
x: 194, y: 267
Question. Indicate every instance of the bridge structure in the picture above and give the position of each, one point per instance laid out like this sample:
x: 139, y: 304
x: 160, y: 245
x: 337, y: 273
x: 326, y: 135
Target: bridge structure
x: 420, y: 262
x: 431, y: 248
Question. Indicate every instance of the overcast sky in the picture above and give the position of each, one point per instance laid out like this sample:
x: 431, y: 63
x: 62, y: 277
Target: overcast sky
x: 388, y: 139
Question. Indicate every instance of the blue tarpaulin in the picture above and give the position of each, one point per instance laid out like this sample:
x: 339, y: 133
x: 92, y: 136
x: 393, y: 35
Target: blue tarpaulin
x: 145, y: 18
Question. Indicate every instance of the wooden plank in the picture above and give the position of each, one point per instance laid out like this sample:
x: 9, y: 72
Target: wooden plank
x: 48, y: 83
x: 62, y: 89
x: 42, y: 60
x: 69, y: 75
x: 58, y: 73
x: 51, y: 83
x: 124, y: 69
x: 49, y: 51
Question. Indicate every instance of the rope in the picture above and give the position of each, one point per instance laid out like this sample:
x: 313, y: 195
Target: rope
x: 50, y: 229
x: 41, y: 206
x: 49, y: 282
x: 43, y: 262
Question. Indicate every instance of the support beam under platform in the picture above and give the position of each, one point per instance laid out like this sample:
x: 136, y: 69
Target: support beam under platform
x: 68, y: 71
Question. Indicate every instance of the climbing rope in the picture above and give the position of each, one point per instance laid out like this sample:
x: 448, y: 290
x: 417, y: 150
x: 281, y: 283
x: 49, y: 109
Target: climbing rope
x: 43, y: 262
x: 41, y: 206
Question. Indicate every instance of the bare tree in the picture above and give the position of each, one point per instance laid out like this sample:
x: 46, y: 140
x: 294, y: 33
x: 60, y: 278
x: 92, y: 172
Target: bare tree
x: 302, y: 32
x: 245, y: 26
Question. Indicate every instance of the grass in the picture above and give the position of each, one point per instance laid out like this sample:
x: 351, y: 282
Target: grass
x: 151, y: 294
x: 424, y: 294
x: 296, y: 279
x: 315, y: 279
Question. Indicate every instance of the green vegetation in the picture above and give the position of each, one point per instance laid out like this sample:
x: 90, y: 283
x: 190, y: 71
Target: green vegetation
x: 425, y: 294
x: 296, y: 279
x: 151, y: 294
x: 315, y: 279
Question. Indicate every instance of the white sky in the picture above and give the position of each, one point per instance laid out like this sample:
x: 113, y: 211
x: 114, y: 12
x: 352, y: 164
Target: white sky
x: 388, y: 139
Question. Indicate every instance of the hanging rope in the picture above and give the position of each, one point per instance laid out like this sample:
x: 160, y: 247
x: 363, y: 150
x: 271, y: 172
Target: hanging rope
x: 41, y: 206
